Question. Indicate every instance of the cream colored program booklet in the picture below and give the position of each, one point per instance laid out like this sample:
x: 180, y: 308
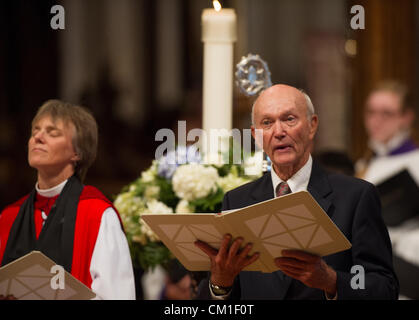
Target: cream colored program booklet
x: 293, y: 221
x: 36, y: 277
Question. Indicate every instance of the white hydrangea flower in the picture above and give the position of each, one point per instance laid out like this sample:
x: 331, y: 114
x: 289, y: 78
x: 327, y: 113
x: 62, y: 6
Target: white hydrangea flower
x: 151, y: 192
x: 119, y: 201
x: 150, y: 174
x: 184, y: 207
x: 147, y: 176
x: 194, y: 181
x: 155, y: 206
x: 127, y: 204
x: 253, y: 165
x: 231, y: 181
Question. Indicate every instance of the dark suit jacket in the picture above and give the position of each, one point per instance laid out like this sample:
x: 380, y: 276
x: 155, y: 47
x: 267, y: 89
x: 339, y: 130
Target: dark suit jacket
x: 355, y: 208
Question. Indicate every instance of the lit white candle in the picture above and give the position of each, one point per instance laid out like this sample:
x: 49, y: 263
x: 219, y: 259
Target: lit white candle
x: 218, y: 34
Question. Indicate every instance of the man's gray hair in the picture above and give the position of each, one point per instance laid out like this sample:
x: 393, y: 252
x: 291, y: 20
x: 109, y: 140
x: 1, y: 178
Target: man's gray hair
x: 309, y: 105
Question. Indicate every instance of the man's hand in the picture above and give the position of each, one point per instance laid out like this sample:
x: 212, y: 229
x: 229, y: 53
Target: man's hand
x: 228, y: 261
x: 311, y: 270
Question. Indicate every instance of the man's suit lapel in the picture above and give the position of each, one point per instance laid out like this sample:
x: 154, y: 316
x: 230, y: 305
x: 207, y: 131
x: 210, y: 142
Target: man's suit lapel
x: 263, y: 190
x: 319, y: 187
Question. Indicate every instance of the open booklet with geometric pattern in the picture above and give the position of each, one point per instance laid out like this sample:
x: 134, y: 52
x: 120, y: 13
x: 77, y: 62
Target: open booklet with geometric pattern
x: 31, y: 276
x: 293, y: 221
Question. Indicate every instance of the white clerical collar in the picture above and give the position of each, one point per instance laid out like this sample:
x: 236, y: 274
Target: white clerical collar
x: 383, y: 149
x: 52, y: 192
x: 299, y: 181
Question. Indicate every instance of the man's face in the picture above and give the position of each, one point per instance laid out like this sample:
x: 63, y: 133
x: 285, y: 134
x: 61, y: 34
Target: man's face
x: 50, y: 146
x: 383, y: 116
x: 287, y: 132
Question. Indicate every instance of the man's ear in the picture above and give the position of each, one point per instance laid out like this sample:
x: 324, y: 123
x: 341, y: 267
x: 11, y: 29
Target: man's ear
x: 314, y: 124
x: 257, y: 136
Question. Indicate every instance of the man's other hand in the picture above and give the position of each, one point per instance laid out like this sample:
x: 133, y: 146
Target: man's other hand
x: 310, y: 269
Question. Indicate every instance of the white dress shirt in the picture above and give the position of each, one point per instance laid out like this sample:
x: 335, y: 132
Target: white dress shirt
x: 298, y: 182
x: 110, y: 267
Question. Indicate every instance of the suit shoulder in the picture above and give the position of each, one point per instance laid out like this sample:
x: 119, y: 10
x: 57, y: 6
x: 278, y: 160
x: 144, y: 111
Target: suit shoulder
x: 348, y: 183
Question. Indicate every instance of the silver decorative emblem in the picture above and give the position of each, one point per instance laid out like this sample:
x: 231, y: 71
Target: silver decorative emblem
x: 253, y: 75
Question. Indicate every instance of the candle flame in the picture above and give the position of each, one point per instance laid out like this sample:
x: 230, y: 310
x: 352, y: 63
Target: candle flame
x: 217, y: 5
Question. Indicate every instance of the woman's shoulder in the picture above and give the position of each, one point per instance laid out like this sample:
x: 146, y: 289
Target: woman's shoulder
x: 17, y: 204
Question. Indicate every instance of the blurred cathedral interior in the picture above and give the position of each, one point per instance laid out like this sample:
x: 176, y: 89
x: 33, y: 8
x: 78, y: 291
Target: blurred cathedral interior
x: 137, y: 65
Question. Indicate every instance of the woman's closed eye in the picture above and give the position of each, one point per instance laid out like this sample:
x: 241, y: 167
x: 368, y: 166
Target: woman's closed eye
x: 54, y: 133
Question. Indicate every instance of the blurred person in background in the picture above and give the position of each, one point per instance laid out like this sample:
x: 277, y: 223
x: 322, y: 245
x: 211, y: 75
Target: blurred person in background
x: 389, y: 121
x: 172, y: 282
x: 388, y: 118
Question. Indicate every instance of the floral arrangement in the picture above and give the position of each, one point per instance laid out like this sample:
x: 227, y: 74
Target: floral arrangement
x: 176, y: 183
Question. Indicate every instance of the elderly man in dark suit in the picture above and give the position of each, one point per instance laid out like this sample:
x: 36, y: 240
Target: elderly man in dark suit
x: 286, y: 116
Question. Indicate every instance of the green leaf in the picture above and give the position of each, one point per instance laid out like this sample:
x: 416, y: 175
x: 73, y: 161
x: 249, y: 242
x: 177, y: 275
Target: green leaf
x: 209, y: 204
x: 149, y: 256
x: 167, y: 195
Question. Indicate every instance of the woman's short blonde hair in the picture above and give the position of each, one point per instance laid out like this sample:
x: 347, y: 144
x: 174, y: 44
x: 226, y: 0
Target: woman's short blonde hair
x: 85, y: 139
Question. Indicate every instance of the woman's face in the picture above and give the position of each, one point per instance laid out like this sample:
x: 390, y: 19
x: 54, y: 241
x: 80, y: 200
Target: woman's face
x: 50, y: 146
